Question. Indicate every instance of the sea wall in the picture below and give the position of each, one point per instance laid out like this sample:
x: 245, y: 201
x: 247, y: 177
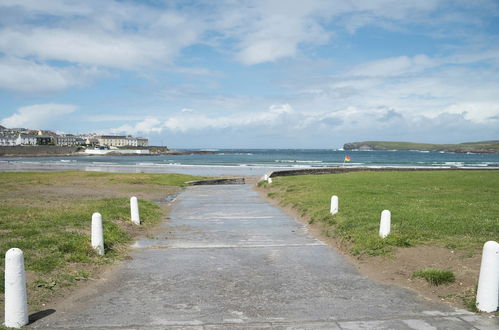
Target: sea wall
x: 114, y: 152
x: 334, y: 170
x: 216, y: 182
x: 24, y: 151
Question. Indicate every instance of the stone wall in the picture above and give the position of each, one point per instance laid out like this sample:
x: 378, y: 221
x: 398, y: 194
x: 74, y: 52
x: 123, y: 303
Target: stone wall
x: 334, y: 170
x: 36, y: 150
x: 216, y: 182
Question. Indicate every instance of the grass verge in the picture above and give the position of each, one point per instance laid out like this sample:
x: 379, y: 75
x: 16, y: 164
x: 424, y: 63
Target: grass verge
x: 453, y: 209
x: 443, y: 218
x: 48, y: 216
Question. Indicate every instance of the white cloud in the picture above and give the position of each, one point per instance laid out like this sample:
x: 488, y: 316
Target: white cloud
x: 37, y: 116
x: 119, y: 35
x: 147, y: 126
x: 281, y: 124
x: 133, y: 36
x: 111, y: 117
x: 30, y: 76
x: 267, y: 31
x: 118, y: 51
x: 192, y: 121
x: 459, y: 83
x: 479, y: 112
x: 61, y: 42
x: 48, y: 6
x: 393, y: 66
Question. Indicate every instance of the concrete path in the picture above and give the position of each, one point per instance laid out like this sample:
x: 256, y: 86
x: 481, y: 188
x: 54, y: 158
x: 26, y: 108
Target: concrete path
x: 229, y: 260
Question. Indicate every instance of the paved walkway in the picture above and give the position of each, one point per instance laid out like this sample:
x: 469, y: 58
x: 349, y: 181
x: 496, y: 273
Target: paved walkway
x: 229, y: 260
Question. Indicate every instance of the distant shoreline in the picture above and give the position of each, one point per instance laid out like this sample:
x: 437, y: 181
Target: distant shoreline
x: 56, y: 151
x: 483, y: 147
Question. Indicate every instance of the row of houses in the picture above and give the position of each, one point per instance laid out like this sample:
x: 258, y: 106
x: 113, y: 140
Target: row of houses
x: 24, y: 140
x: 16, y: 138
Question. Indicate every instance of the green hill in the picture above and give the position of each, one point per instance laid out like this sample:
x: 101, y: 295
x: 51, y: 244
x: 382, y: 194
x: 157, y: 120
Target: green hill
x: 474, y: 147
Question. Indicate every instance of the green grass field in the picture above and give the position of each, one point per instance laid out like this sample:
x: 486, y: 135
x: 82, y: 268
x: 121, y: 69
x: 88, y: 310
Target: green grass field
x: 48, y: 216
x: 454, y: 209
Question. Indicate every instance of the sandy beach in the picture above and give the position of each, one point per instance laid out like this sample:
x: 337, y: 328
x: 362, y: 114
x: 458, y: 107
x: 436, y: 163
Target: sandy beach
x: 202, y: 170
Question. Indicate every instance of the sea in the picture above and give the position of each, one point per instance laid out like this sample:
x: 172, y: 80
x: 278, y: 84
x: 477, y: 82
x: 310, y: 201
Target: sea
x: 252, y: 161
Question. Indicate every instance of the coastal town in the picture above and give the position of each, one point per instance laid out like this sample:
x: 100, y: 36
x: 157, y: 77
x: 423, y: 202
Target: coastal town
x: 38, y: 137
x: 25, y: 142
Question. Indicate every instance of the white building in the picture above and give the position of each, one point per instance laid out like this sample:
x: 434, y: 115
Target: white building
x: 19, y: 140
x: 142, y: 142
x: 69, y: 140
x: 26, y: 140
x: 121, y: 141
x: 8, y: 140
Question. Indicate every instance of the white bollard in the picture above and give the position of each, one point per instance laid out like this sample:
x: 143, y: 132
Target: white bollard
x: 334, y: 204
x: 269, y: 180
x: 385, y: 223
x: 16, y: 300
x: 487, y: 292
x: 265, y: 177
x: 97, y: 234
x: 134, y: 210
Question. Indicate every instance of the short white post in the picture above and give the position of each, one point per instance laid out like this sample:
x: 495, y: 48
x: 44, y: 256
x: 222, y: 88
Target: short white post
x: 134, y: 210
x: 97, y: 234
x: 385, y: 223
x: 16, y: 300
x: 265, y: 177
x: 487, y: 292
x: 334, y: 204
x: 269, y: 180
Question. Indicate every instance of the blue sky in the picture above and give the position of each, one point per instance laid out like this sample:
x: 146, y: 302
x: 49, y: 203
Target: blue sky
x: 253, y: 74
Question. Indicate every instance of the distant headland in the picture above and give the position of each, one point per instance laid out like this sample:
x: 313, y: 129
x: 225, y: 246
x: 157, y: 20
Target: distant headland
x: 468, y: 147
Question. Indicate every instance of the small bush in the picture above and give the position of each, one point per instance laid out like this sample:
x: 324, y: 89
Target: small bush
x: 436, y: 276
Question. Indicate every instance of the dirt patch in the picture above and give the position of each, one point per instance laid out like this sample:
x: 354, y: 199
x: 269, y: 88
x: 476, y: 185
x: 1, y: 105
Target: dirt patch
x: 398, y: 267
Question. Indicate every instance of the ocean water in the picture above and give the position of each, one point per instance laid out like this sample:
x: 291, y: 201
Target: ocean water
x: 253, y: 161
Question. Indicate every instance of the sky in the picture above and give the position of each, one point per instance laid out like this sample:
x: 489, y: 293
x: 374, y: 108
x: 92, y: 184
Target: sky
x: 253, y: 74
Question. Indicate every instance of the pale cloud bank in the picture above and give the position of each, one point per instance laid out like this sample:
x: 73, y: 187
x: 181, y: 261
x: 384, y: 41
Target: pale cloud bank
x: 32, y: 77
x: 37, y: 116
x: 192, y: 120
x: 283, y: 118
x: 320, y: 129
x: 132, y: 36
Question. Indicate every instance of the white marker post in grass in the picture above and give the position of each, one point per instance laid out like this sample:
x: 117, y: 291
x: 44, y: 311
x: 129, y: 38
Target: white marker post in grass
x: 266, y: 177
x: 487, y: 292
x: 334, y: 204
x: 134, y: 210
x: 385, y: 223
x: 16, y: 300
x: 269, y: 180
x: 97, y: 234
